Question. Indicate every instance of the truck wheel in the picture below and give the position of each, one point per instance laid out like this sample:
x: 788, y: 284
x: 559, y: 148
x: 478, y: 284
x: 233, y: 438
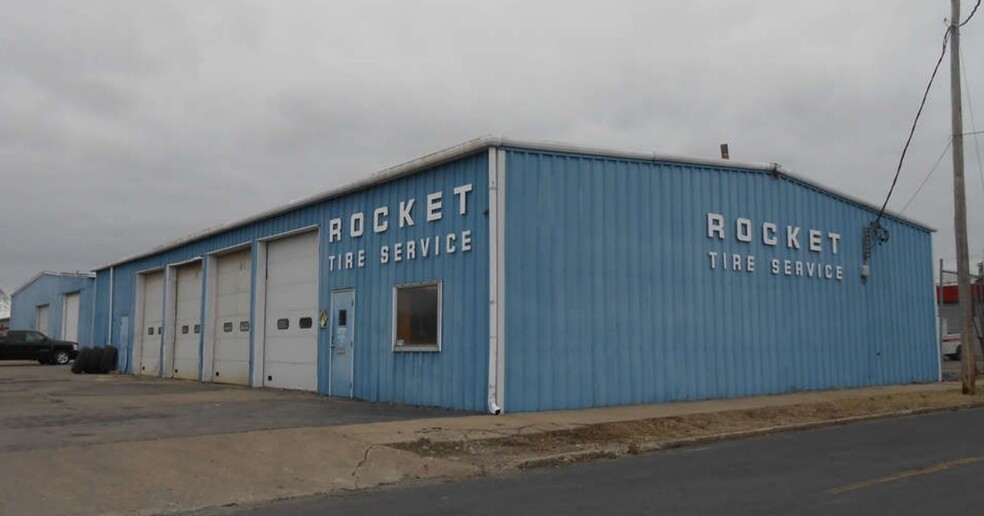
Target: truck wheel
x: 60, y: 358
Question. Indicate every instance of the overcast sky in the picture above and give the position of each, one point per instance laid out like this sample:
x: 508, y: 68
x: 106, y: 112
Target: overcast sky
x: 125, y: 124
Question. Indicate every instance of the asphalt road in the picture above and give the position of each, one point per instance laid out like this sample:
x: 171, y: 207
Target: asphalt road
x: 930, y: 464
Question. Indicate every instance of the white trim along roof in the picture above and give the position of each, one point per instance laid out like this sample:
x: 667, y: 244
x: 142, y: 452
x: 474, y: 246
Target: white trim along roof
x: 52, y: 273
x: 480, y: 144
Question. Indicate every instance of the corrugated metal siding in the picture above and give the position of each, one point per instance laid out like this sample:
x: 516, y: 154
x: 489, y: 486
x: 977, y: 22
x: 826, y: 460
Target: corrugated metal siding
x: 455, y: 377
x: 610, y: 297
x: 50, y: 290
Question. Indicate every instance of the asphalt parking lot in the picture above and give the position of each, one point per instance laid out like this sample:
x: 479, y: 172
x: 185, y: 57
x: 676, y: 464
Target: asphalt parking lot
x: 48, y: 406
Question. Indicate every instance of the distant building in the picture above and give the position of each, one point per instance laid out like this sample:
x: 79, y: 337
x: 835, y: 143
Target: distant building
x: 950, y: 311
x: 58, y: 304
x: 4, y: 305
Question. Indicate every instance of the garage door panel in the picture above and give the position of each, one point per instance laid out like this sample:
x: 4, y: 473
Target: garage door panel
x: 302, y: 377
x: 150, y: 340
x: 296, y: 273
x: 292, y: 301
x: 231, y: 354
x: 229, y: 349
x: 42, y: 316
x: 70, y: 318
x: 294, y: 350
x: 290, y: 352
x: 188, y: 305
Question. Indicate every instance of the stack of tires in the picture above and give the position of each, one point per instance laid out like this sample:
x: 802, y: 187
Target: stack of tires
x: 95, y: 360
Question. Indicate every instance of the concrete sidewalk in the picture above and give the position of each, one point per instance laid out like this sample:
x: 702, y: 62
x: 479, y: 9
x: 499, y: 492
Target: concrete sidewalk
x: 191, y: 472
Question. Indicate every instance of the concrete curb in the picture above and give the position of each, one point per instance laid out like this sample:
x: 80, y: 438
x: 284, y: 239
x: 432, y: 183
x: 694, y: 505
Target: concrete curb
x: 615, y: 451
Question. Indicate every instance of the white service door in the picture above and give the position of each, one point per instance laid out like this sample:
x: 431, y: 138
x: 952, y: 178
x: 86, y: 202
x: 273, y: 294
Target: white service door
x: 153, y: 311
x: 232, y: 306
x: 70, y: 318
x: 290, y: 350
x: 42, y: 315
x: 187, y: 321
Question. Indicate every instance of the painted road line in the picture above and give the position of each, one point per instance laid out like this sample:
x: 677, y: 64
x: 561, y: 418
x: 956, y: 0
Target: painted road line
x: 906, y: 474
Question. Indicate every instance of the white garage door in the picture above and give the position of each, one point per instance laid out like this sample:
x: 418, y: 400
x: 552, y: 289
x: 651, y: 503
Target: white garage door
x: 153, y: 310
x: 231, y: 327
x: 42, y: 315
x: 187, y: 320
x: 291, y: 346
x: 70, y: 318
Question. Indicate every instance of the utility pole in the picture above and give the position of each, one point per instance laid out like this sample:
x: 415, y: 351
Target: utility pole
x: 968, y: 359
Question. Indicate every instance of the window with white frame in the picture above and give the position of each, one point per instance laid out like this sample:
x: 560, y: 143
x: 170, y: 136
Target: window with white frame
x: 417, y: 317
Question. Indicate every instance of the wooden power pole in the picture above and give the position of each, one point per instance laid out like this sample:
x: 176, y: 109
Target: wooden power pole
x: 967, y: 343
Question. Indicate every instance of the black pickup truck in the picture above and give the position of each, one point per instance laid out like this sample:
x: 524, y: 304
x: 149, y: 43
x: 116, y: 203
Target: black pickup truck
x: 34, y: 345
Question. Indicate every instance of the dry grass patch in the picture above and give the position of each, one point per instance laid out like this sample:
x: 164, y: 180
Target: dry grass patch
x: 632, y: 436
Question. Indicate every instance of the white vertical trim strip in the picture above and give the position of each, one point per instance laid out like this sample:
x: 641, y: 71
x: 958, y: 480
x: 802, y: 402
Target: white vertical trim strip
x: 167, y: 341
x: 170, y: 308
x: 208, y: 321
x: 92, y: 326
x: 136, y: 347
x: 112, y: 277
x: 259, y: 313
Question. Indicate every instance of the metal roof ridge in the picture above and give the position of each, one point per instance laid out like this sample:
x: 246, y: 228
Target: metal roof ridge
x: 473, y: 146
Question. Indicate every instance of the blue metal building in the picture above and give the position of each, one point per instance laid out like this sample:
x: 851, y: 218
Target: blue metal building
x: 508, y: 275
x: 58, y: 304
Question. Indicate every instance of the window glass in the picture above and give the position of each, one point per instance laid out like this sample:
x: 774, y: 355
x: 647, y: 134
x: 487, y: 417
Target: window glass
x: 150, y: 331
x: 227, y: 327
x: 184, y: 329
x: 417, y: 316
x: 198, y: 328
x: 243, y: 325
x: 343, y: 318
x: 33, y: 338
x: 160, y: 330
x: 283, y: 324
x: 306, y: 322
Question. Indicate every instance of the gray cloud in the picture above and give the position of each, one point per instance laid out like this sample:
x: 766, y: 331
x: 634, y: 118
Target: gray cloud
x: 125, y: 124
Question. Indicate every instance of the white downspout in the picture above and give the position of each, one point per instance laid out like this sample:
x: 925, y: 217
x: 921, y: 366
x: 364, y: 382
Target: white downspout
x: 495, y: 279
x: 109, y: 334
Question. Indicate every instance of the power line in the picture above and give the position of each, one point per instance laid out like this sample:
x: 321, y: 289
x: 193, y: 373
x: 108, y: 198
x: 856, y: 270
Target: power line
x: 972, y: 12
x: 926, y: 179
x: 973, y: 123
x: 912, y: 130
